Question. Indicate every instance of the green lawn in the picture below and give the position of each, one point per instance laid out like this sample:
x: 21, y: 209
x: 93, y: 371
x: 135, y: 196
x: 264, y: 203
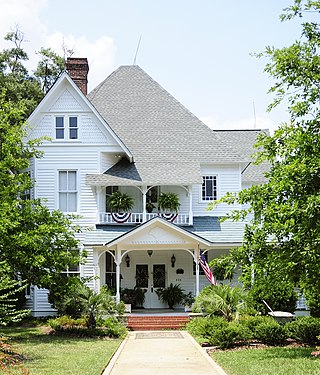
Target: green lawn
x: 47, y: 354
x: 271, y: 361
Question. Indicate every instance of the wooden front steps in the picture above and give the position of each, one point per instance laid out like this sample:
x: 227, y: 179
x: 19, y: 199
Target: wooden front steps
x: 156, y: 322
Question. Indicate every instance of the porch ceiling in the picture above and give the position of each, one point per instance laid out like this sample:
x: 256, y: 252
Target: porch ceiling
x: 125, y: 173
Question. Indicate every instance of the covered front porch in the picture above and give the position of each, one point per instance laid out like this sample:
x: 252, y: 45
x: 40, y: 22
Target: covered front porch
x: 150, y: 257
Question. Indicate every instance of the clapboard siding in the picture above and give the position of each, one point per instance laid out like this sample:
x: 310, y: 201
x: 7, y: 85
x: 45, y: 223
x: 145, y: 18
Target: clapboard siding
x: 228, y: 181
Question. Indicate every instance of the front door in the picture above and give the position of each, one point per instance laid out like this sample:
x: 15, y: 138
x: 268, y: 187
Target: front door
x: 151, y: 277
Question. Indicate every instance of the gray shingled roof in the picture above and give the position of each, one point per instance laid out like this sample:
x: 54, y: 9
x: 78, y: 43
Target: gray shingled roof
x: 243, y: 142
x: 158, y: 130
x: 134, y: 174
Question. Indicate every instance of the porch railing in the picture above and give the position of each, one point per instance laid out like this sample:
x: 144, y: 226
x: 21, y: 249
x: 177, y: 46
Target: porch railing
x: 137, y: 217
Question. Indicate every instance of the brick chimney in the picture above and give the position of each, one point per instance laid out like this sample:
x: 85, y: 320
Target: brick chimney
x: 78, y: 69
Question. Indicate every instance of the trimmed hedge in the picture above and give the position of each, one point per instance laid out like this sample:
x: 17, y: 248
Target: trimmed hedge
x: 304, y: 329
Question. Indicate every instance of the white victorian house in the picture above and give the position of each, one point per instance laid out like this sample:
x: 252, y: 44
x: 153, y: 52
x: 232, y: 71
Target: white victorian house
x: 129, y: 134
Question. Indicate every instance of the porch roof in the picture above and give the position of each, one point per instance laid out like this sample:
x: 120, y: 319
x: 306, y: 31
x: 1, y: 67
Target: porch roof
x: 125, y: 173
x: 206, y: 229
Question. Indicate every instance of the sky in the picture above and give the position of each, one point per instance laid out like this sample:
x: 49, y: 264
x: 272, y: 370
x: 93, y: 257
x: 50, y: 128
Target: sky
x: 198, y: 50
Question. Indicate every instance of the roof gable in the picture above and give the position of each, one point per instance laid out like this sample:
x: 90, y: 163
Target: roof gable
x: 65, y: 96
x: 160, y: 233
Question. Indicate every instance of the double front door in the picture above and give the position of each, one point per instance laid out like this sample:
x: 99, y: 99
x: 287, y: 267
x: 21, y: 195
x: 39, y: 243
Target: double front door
x: 151, y: 277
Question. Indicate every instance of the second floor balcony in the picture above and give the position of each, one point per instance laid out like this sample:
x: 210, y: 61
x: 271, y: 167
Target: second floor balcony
x: 141, y: 217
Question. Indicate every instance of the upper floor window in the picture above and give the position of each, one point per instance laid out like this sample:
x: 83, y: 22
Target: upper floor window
x: 209, y: 190
x: 66, y: 127
x: 68, y: 191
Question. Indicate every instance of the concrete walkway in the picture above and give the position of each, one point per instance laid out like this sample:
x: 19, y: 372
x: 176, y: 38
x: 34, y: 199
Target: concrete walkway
x: 161, y: 352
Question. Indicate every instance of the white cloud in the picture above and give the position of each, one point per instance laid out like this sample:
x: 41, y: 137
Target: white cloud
x: 26, y: 14
x: 260, y: 123
x: 100, y: 53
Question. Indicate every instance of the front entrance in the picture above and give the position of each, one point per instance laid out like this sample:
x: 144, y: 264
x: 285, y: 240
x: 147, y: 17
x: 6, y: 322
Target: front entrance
x: 151, y: 277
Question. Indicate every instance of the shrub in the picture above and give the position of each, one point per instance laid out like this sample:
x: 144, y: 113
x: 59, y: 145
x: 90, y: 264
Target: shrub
x: 226, y: 336
x: 222, y: 300
x: 304, y: 329
x: 251, y: 322
x: 204, y: 327
x: 279, y: 294
x: 270, y: 332
x: 114, y: 328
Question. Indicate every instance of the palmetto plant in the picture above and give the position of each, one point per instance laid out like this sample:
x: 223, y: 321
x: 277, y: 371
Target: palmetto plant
x: 120, y: 202
x: 221, y: 300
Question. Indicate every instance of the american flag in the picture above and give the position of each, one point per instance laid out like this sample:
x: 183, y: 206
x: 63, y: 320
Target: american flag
x: 206, y: 269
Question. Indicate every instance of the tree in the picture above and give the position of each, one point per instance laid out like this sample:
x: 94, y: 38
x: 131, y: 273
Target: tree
x: 49, y: 68
x: 284, y: 227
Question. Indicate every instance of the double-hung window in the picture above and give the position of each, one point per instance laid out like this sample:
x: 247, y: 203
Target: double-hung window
x: 209, y: 191
x: 74, y: 269
x: 66, y: 127
x: 68, y: 193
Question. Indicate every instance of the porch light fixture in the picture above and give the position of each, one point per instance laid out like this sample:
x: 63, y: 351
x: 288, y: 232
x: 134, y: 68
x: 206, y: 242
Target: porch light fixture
x: 173, y: 261
x: 127, y: 260
x: 150, y: 252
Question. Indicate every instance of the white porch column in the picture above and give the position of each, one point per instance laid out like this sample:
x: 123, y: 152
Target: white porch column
x: 117, y: 262
x: 96, y: 271
x: 196, y: 254
x: 190, y: 205
x: 98, y: 192
x: 144, y: 203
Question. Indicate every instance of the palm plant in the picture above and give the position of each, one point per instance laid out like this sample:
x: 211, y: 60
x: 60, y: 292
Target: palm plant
x: 221, y: 300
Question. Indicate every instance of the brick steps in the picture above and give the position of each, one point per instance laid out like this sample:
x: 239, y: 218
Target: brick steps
x: 150, y: 323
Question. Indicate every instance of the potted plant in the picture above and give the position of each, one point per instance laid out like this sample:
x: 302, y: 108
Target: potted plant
x: 169, y: 202
x: 149, y: 207
x: 172, y: 295
x: 120, y: 202
x: 188, y: 300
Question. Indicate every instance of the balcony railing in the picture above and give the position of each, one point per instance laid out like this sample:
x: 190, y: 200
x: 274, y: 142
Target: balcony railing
x: 136, y: 218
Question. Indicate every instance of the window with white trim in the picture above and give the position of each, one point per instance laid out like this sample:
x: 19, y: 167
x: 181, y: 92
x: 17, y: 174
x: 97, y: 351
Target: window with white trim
x: 71, y: 122
x: 209, y: 189
x: 68, y: 193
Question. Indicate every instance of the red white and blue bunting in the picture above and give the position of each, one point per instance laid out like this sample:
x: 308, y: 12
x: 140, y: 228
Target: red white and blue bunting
x: 120, y: 217
x: 170, y: 216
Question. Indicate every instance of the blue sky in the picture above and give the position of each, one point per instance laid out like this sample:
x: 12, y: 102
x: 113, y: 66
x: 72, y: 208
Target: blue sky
x: 198, y: 50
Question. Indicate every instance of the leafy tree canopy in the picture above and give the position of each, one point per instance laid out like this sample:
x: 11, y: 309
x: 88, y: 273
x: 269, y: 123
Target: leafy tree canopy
x: 284, y: 227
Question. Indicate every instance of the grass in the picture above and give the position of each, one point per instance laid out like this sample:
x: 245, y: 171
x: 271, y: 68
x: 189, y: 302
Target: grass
x: 271, y: 361
x: 47, y: 354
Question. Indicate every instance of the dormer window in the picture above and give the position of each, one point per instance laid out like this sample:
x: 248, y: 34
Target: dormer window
x: 66, y: 127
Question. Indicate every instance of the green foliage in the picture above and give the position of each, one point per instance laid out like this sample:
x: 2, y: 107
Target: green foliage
x: 204, y: 327
x: 110, y: 327
x: 90, y: 304
x: 276, y: 291
x: 172, y: 295
x: 49, y: 68
x: 284, y: 229
x: 223, y: 268
x: 120, y: 202
x: 304, y: 329
x: 9, y: 312
x: 114, y: 327
x: 221, y: 300
x: 169, y: 202
x: 270, y: 332
x: 135, y: 296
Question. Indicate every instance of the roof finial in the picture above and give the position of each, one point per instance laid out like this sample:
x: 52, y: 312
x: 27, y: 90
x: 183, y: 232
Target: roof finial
x: 135, y: 56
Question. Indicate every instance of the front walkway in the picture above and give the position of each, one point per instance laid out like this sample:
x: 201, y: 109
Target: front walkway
x: 161, y: 352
